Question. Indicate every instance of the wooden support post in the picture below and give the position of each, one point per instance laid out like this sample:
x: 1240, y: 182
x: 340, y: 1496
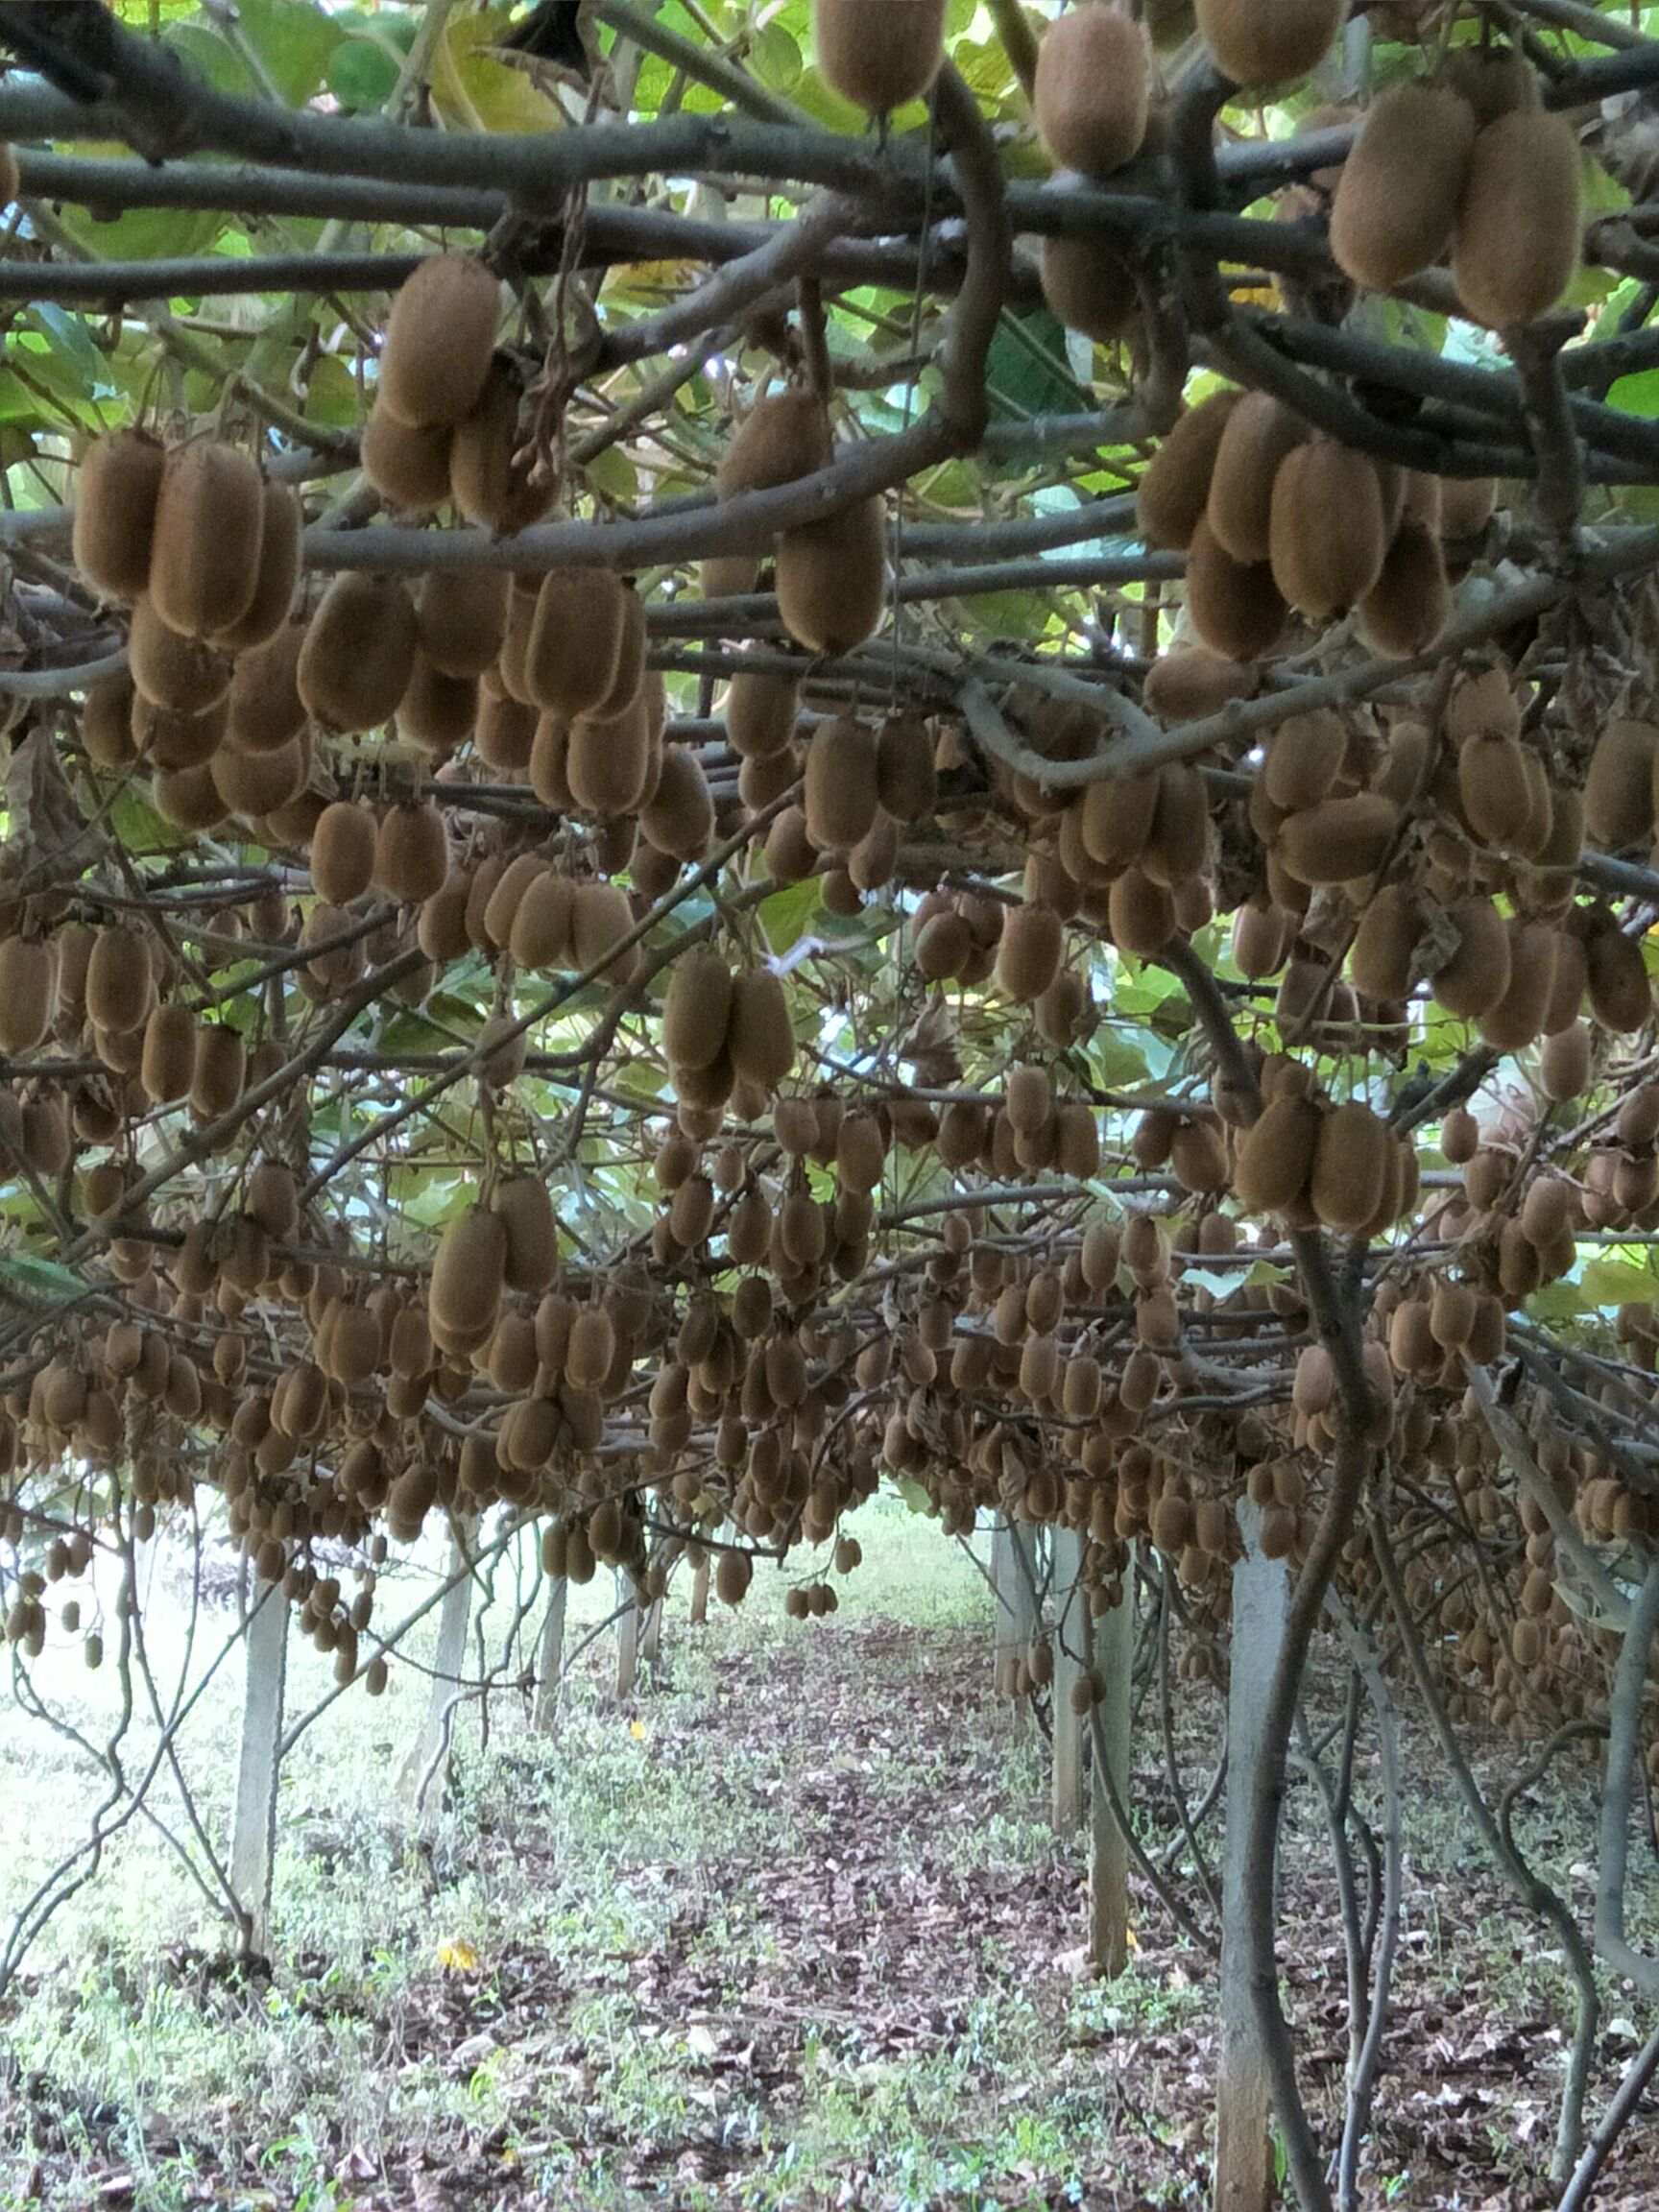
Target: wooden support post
x: 1113, y: 1639
x: 253, y: 1821
x: 651, y: 1634
x: 1013, y: 1577
x: 1243, y: 2101
x: 429, y: 1753
x: 550, y: 1663
x: 1071, y: 1657
x: 700, y: 1592
x: 626, y: 1639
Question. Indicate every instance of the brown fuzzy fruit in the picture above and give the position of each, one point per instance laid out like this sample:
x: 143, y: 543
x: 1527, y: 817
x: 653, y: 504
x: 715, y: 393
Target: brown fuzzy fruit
x: 1237, y: 608
x: 1268, y: 41
x: 575, y: 643
x: 220, y: 1069
x: 409, y: 467
x: 27, y: 992
x: 120, y: 982
x: 169, y: 1062
x: 697, y: 1010
x: 600, y: 919
x: 276, y: 575
x: 761, y: 713
x: 467, y: 1272
x: 114, y: 525
x: 260, y: 785
x: 1275, y: 1162
x: 1328, y: 529
x: 1258, y: 434
x: 1517, y: 240
x: 840, y: 792
x: 463, y: 619
x: 1401, y: 186
x: 1351, y: 1166
x: 1175, y: 485
x: 1339, y: 841
x: 205, y: 555
x: 1409, y: 604
x: 541, y: 936
x: 759, y: 1035
x: 343, y: 853
x: 525, y: 1209
x: 678, y: 819
x: 411, y: 854
x: 1029, y: 952
x: 879, y: 54
x: 437, y: 713
x: 266, y: 710
x: 1091, y: 88
x: 494, y: 486
x: 1305, y: 757
x: 1477, y: 977
x: 171, y: 669
x: 832, y: 574
x: 783, y: 438
x: 439, y: 342
x: 359, y: 654
x: 611, y: 766
x: 1620, y: 790
x: 1089, y: 285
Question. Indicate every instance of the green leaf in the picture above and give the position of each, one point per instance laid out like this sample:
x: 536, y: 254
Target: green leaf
x: 362, y: 75
x: 1606, y: 1282
x: 789, y: 913
x: 1636, y: 395
x: 295, y: 39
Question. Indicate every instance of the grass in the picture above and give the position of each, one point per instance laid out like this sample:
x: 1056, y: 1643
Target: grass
x: 790, y: 1931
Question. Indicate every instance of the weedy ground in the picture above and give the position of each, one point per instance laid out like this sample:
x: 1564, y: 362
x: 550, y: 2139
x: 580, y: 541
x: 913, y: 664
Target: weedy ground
x: 787, y: 1932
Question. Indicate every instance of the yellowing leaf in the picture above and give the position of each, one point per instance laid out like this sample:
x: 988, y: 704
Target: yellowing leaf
x: 471, y: 91
x: 456, y: 1956
x: 637, y: 1729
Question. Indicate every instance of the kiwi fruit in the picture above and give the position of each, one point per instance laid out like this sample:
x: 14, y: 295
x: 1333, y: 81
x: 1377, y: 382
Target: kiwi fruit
x: 343, y: 851
x: 1475, y: 976
x: 409, y: 467
x: 120, y: 982
x: 1620, y: 788
x: 169, y: 1061
x: 679, y: 817
x: 1411, y: 603
x: 1339, y: 841
x: 1492, y: 790
x: 832, y: 574
x: 697, y: 1010
x: 784, y: 437
x: 275, y: 575
x: 525, y: 1211
x: 761, y: 712
x: 107, y: 722
x: 257, y: 785
x: 1140, y: 914
x: 1257, y: 435
x: 540, y: 937
x: 204, y: 552
x: 1305, y: 757
x: 1326, y: 526
x: 758, y: 1035
x: 1401, y: 187
x: 1029, y: 952
x: 1564, y: 1070
x: 840, y: 792
x: 600, y: 919
x: 170, y: 669
x: 1351, y: 1166
x: 1518, y: 236
x: 169, y: 739
x: 467, y: 1272
x: 411, y: 853
x: 1616, y: 976
x: 1467, y: 504
x: 1091, y: 90
x: 437, y: 713
x: 439, y: 342
x: 219, y: 1070
x: 504, y: 733
x: 1236, y: 607
x: 266, y: 710
x: 1276, y: 1153
x: 490, y: 481
x: 27, y: 992
x: 1268, y: 41
x: 575, y: 643
x: 358, y: 656
x: 117, y: 490
x: 1518, y: 1017
x: 1088, y: 284
x: 462, y: 618
x: 878, y: 53
x: 1174, y: 488
x: 1493, y: 80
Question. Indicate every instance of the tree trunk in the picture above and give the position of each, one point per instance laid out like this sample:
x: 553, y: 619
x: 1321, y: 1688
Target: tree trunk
x: 1113, y: 1640
x: 651, y: 1635
x: 700, y: 1593
x: 1013, y: 1576
x: 550, y: 1663
x: 1244, y: 2098
x: 1071, y: 1657
x: 429, y: 1753
x: 258, y: 1766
